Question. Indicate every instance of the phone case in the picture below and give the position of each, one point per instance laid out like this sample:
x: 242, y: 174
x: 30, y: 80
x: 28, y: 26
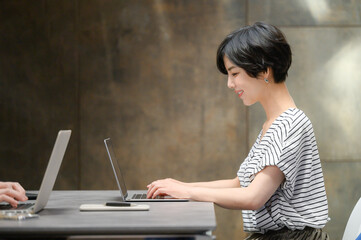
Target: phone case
x: 102, y: 207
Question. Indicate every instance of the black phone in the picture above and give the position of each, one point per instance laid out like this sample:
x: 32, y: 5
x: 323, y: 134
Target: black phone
x: 118, y: 204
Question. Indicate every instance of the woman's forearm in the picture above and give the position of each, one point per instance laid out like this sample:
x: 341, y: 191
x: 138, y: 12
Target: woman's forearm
x: 231, y: 198
x: 226, y: 183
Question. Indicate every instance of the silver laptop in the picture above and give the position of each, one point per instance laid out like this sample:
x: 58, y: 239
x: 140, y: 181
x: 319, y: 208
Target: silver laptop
x: 132, y: 196
x: 48, y: 180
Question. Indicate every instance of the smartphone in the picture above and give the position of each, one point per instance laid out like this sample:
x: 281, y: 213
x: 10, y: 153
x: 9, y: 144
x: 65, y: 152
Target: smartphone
x: 118, y: 204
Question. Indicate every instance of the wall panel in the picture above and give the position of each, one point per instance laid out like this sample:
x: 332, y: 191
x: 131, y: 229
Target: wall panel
x: 38, y: 94
x: 306, y: 12
x: 342, y: 181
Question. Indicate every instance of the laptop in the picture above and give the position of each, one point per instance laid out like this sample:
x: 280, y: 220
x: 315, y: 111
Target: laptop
x: 48, y: 180
x: 132, y: 196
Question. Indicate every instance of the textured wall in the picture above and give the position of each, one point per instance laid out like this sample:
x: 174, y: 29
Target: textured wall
x: 143, y: 73
x: 38, y: 89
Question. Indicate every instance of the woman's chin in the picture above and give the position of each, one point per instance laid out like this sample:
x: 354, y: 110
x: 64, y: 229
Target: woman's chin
x: 247, y: 103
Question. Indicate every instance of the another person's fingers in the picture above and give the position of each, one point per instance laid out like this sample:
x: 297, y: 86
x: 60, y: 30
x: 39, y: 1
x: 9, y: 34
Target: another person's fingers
x: 10, y: 200
x: 17, y: 187
x: 13, y: 194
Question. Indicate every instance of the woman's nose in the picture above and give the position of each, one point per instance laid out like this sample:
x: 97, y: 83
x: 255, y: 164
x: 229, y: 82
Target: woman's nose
x: 230, y: 83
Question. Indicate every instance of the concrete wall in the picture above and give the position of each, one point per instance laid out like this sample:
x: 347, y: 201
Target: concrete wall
x: 143, y: 73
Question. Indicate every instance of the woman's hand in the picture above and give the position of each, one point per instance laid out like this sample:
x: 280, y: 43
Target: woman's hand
x: 169, y: 187
x: 12, y: 192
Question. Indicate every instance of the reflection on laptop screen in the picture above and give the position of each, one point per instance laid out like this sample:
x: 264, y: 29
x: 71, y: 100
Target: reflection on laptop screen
x: 115, y: 165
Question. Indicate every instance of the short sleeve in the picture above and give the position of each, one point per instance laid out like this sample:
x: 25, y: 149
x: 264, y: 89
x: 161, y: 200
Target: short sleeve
x: 268, y: 152
x: 296, y: 157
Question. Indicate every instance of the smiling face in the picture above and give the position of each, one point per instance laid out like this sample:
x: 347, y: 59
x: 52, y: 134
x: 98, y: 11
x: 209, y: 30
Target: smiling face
x: 249, y: 89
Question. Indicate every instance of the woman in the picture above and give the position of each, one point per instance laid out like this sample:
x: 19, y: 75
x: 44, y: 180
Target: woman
x: 280, y: 185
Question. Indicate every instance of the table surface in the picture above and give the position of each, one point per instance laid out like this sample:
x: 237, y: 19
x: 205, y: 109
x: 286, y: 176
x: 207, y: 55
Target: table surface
x: 62, y: 217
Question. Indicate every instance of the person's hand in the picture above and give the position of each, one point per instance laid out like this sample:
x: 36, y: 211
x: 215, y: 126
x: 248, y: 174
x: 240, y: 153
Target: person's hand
x: 169, y: 187
x: 12, y: 192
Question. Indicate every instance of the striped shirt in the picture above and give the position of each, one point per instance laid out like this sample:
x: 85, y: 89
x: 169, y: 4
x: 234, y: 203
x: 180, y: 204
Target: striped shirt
x: 300, y: 200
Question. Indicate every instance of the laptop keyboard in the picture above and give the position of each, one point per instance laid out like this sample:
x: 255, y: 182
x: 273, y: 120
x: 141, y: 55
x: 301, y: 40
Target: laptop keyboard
x: 20, y: 206
x: 144, y: 196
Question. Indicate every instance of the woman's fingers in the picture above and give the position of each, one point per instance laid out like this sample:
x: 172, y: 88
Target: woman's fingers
x: 158, y: 192
x: 154, y: 187
x: 151, y: 190
x: 169, y: 187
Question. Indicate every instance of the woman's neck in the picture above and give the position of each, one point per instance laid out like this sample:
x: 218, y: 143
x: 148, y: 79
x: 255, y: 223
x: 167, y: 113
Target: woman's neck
x: 276, y: 100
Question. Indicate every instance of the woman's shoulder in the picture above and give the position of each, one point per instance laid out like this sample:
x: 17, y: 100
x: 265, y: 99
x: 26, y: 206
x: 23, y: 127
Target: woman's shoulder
x: 293, y: 119
x: 294, y: 116
x: 299, y: 124
x: 294, y: 113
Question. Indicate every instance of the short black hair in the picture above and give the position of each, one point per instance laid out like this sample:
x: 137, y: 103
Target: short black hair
x: 255, y: 48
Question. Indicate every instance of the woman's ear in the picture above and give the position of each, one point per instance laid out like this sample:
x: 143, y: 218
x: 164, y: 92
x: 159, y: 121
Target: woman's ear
x: 267, y: 75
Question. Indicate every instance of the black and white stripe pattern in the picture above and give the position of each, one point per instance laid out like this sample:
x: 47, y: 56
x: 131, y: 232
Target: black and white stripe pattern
x: 301, y: 200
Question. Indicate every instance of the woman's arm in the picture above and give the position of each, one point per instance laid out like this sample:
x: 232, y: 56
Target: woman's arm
x: 252, y: 197
x: 226, y: 183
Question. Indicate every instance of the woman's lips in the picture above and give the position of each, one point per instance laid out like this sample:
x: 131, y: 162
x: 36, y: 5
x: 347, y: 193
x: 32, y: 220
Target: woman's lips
x: 239, y: 93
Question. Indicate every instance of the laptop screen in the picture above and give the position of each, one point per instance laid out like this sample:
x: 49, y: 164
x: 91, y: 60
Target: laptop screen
x: 116, y: 169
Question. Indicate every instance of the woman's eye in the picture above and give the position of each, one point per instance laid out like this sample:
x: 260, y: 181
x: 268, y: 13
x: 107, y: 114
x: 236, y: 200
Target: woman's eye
x: 234, y: 74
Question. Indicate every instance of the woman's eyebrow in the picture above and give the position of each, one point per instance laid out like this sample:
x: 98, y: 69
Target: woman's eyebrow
x: 230, y: 68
